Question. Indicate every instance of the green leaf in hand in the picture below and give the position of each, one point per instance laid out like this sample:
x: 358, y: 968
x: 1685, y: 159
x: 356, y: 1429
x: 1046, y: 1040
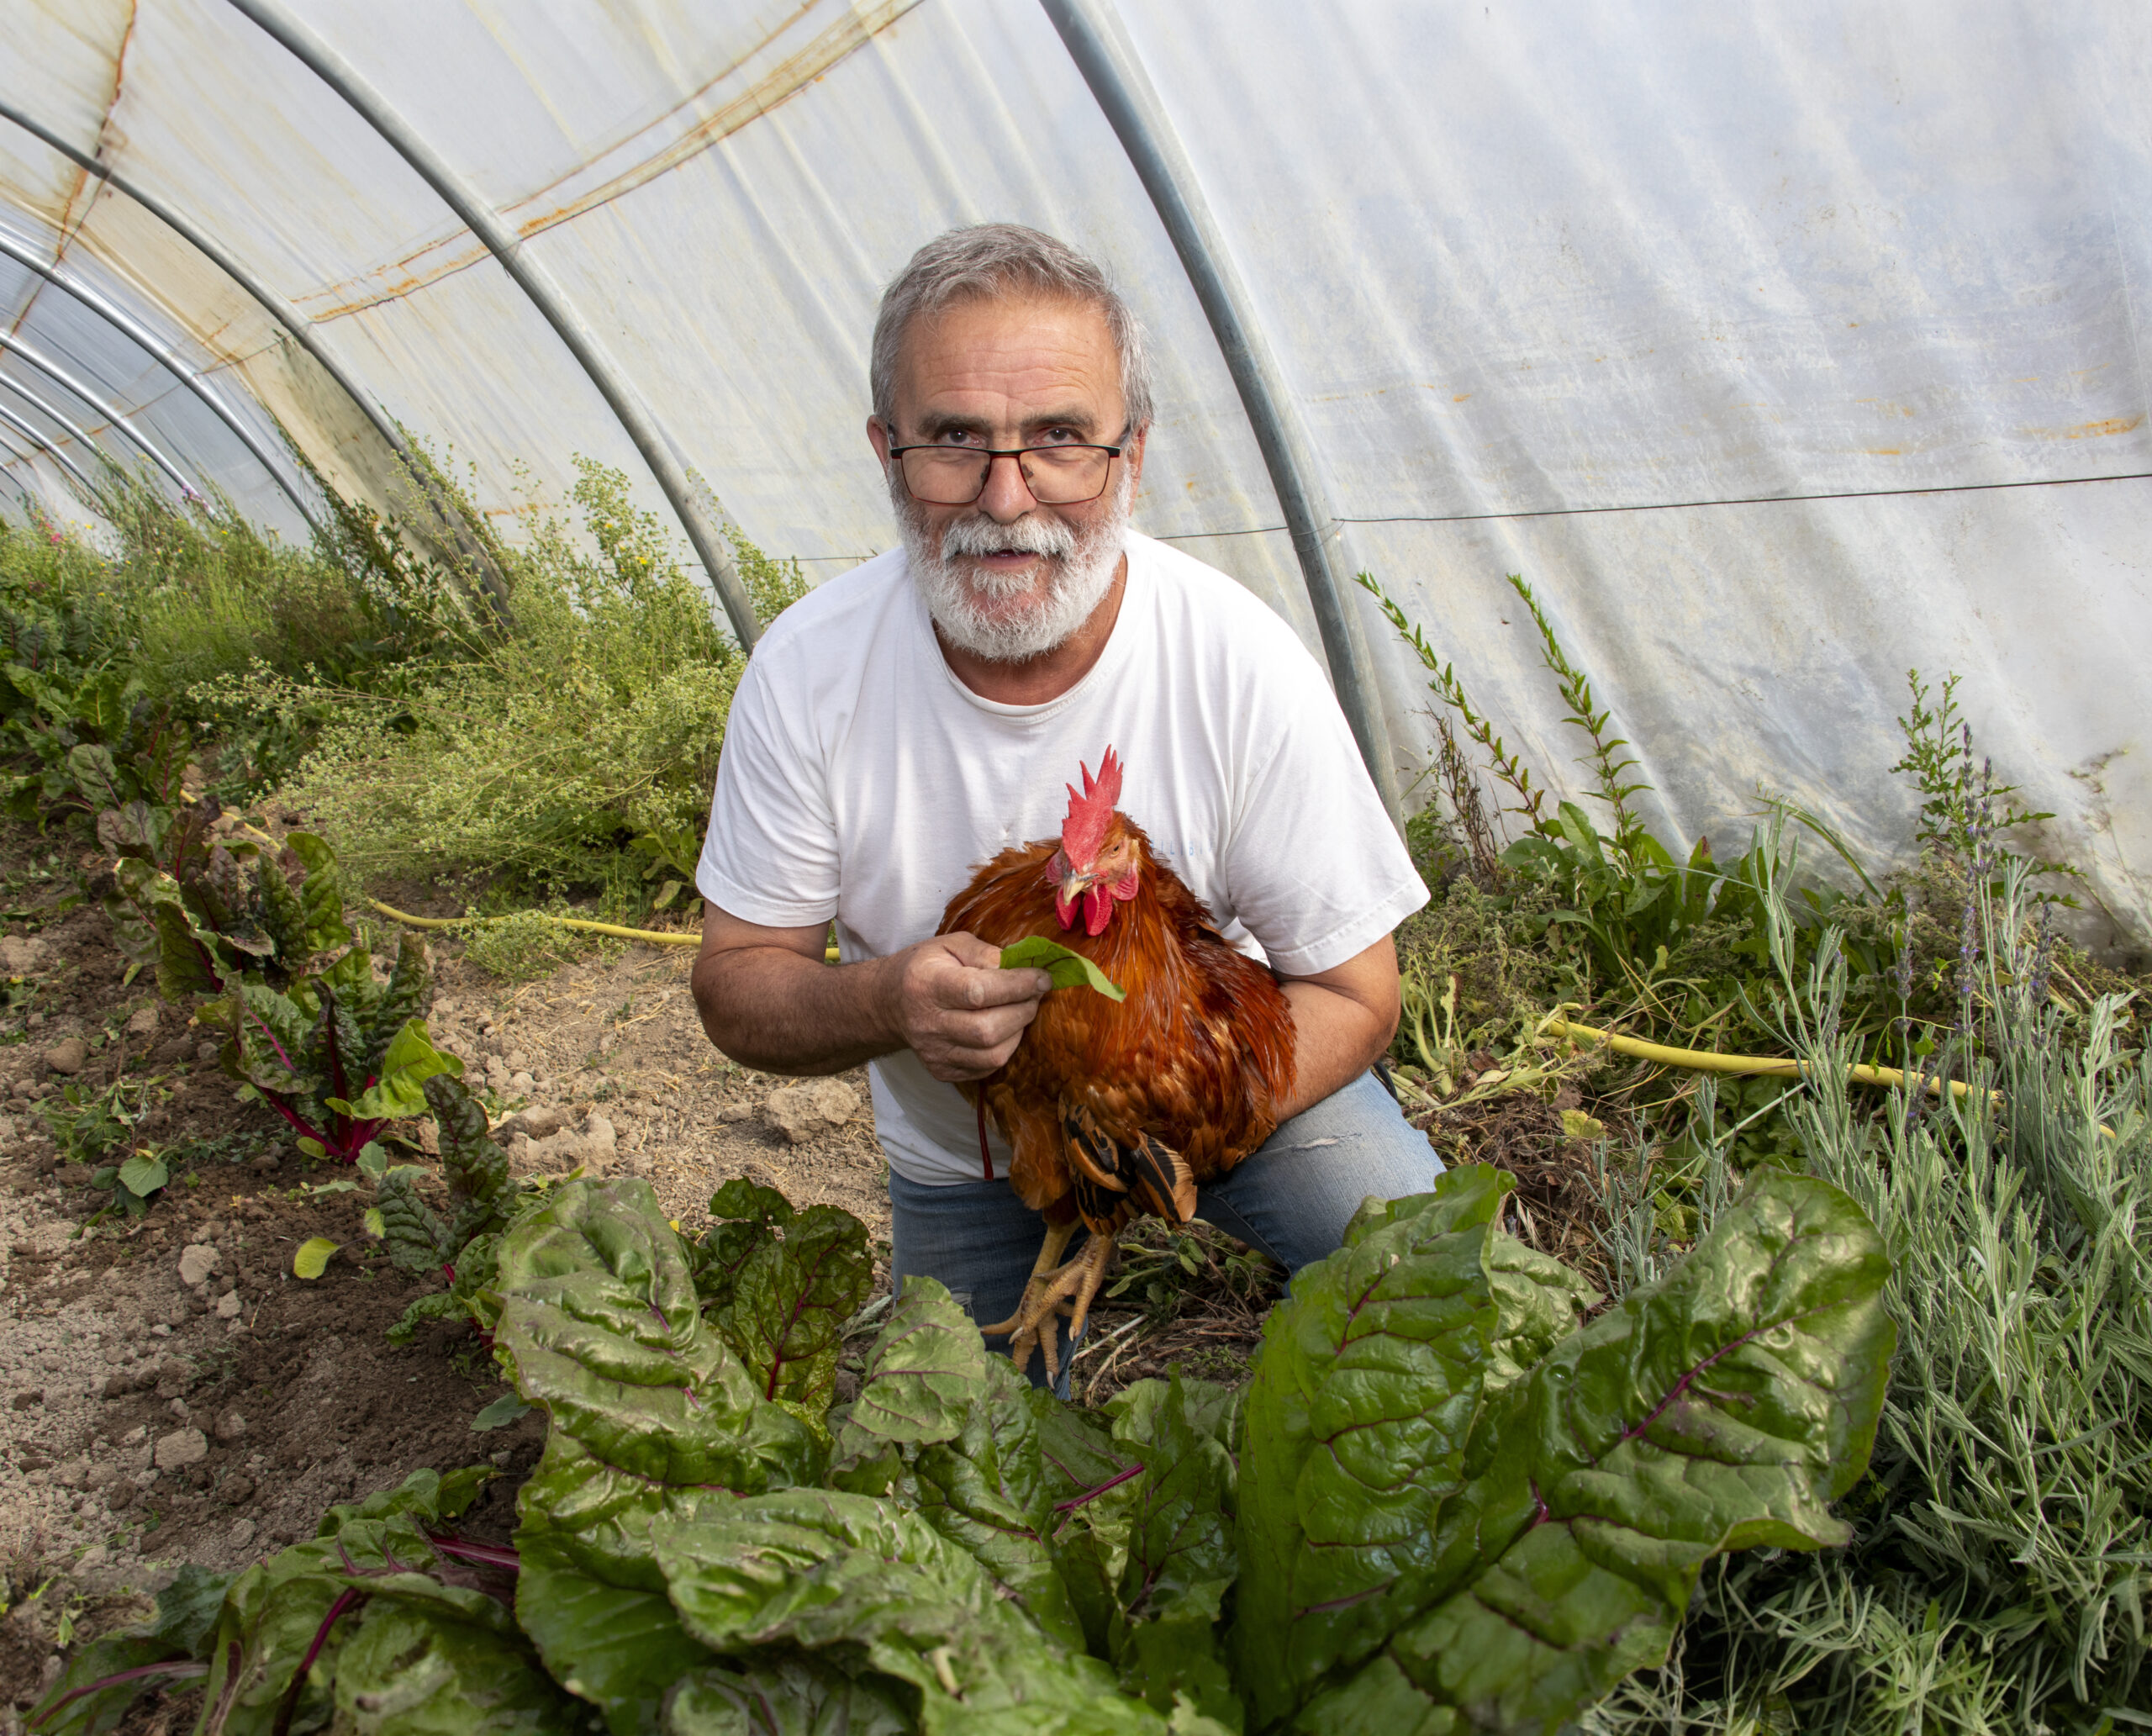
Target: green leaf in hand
x: 1069, y: 970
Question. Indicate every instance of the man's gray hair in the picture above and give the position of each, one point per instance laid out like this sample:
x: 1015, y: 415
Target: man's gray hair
x: 988, y: 259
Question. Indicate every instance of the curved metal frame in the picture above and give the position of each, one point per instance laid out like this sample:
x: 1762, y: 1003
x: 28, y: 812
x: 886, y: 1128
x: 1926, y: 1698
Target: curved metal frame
x: 536, y: 283
x: 82, y: 436
x: 114, y: 417
x: 1091, y: 31
x: 67, y: 464
x: 121, y: 320
x: 301, y: 331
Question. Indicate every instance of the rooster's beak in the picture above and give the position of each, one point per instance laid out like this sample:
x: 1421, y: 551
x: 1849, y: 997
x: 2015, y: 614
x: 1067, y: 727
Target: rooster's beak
x: 1069, y: 884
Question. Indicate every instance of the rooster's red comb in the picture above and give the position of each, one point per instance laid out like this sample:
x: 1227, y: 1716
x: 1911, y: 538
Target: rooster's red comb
x: 1085, y: 828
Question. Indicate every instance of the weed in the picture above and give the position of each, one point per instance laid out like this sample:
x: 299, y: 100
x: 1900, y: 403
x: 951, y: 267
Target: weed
x: 595, y: 722
x: 520, y: 947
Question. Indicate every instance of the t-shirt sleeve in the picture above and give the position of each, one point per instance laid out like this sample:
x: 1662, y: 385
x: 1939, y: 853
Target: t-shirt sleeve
x: 770, y: 856
x: 1317, y: 872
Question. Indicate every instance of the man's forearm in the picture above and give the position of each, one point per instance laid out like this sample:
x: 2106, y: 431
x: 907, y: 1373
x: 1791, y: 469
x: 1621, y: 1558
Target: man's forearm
x: 1343, y: 1020
x: 775, y: 1010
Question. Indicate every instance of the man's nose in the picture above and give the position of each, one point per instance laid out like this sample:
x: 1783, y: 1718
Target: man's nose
x: 1006, y: 497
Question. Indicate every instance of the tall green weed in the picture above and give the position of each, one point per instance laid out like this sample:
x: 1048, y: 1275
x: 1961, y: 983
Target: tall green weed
x: 594, y: 721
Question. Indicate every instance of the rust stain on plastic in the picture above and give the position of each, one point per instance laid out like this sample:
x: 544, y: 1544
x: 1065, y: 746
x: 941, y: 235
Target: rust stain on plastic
x: 2088, y: 430
x: 81, y: 180
x: 859, y: 25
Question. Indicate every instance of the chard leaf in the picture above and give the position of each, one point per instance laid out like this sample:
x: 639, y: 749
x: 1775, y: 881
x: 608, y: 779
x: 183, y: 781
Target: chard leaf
x: 411, y: 1670
x: 183, y: 958
x: 589, y: 1594
x: 988, y: 1490
x: 749, y: 1216
x: 786, y: 1696
x: 400, y: 1004
x: 926, y: 1369
x: 276, y: 1038
x: 95, y: 1709
x: 1180, y: 1509
x: 1069, y: 969
x: 321, y: 900
x: 600, y: 1318
x: 1722, y: 1408
x: 1365, y: 1392
x: 472, y: 1160
x: 273, y: 1611
x: 417, y: 1238
x: 791, y: 1301
x: 407, y: 1061
x: 1180, y: 1558
x: 852, y: 1576
x: 1538, y: 1300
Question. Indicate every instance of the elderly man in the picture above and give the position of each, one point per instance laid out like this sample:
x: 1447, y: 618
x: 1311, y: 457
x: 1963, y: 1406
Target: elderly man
x: 908, y: 719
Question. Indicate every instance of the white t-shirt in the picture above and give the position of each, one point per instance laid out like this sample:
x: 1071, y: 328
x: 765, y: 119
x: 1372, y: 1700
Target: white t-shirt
x: 862, y: 780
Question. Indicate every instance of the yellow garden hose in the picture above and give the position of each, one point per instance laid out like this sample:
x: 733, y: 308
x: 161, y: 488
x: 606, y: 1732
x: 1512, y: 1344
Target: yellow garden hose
x: 1711, y: 1060
x: 574, y: 922
x: 577, y: 923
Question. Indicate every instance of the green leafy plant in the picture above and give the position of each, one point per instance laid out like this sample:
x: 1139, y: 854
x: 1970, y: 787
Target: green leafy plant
x: 594, y: 722
x: 202, y: 911
x: 100, y: 1126
x: 1441, y: 1499
x: 340, y: 1054
x: 383, y: 1611
x: 1960, y: 808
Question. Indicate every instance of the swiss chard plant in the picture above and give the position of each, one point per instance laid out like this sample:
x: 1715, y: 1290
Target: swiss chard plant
x: 1447, y: 1501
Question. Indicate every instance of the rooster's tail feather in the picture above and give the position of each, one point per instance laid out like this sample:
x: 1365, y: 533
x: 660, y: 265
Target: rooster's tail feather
x: 1111, y: 1176
x: 1164, y: 1176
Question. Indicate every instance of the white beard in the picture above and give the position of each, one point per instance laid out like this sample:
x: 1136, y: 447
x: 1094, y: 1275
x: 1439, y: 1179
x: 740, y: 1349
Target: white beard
x: 971, y: 607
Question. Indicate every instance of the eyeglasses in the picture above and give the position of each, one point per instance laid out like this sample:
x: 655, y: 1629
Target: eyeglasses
x: 955, y: 476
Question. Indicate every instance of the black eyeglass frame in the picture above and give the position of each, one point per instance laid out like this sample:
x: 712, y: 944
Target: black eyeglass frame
x: 1019, y: 453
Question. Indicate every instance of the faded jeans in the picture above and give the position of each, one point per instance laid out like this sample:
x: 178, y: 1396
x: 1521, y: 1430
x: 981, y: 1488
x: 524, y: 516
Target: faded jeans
x: 1292, y: 1198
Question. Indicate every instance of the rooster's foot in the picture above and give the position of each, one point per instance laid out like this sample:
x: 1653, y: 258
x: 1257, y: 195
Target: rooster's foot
x: 1065, y: 1291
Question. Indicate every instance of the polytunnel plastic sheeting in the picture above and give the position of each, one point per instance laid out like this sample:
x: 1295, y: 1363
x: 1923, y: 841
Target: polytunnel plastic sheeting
x: 1780, y: 351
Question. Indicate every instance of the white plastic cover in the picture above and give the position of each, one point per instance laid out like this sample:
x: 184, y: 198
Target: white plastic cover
x: 1782, y: 349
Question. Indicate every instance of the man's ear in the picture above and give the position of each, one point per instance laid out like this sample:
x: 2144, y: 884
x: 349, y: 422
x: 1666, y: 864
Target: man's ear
x: 1132, y: 454
x: 877, y: 436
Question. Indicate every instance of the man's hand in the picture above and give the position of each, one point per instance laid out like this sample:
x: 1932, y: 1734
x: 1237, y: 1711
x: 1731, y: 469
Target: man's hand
x: 959, y: 1011
x: 768, y: 1001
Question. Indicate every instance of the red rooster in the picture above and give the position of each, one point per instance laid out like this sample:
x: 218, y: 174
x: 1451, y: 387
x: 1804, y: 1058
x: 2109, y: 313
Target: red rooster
x: 1116, y: 1109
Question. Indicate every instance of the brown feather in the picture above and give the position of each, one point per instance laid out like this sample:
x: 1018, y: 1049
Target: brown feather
x: 1175, y: 1084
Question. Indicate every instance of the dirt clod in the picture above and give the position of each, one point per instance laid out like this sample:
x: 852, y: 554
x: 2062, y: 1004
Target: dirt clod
x: 182, y: 1446
x: 806, y: 1111
x: 70, y: 1056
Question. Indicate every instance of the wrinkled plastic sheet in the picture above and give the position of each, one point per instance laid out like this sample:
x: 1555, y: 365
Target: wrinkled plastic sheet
x: 1781, y: 352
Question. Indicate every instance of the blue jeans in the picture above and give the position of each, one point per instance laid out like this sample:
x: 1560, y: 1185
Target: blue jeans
x: 1292, y: 1198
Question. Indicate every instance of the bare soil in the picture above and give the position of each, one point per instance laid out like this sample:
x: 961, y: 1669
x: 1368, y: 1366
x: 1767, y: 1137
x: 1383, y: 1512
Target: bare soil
x: 143, y: 1422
